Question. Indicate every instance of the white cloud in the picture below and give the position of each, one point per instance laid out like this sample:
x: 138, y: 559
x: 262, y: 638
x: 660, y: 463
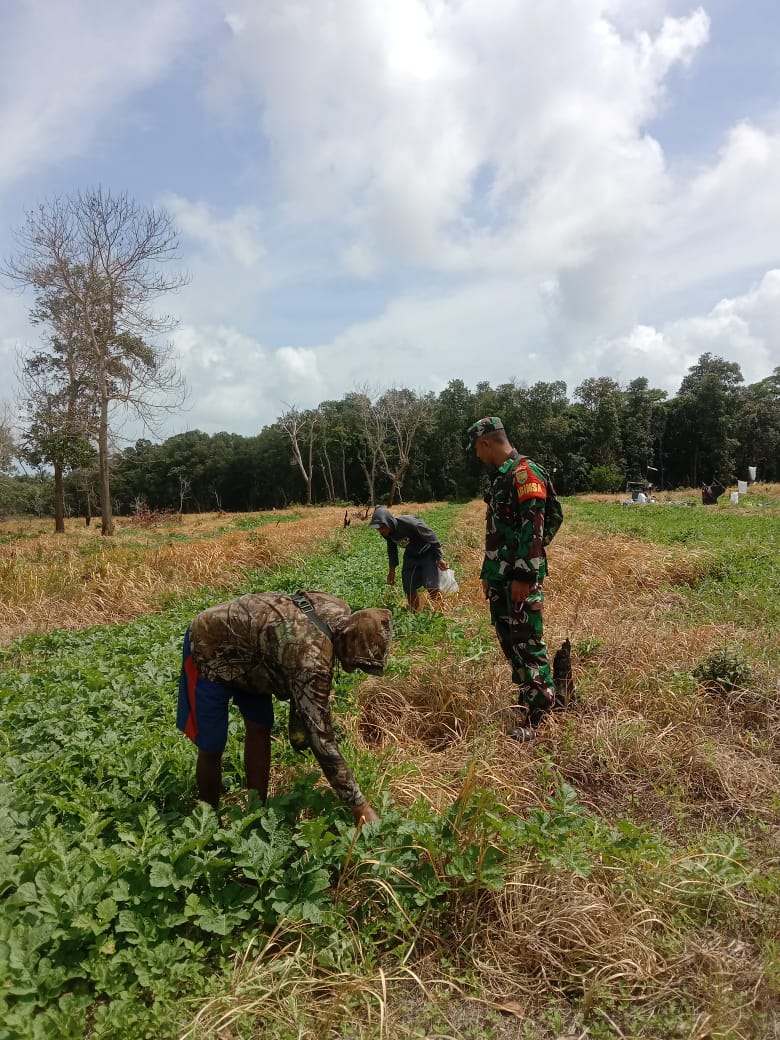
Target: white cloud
x: 723, y: 216
x: 67, y: 67
x: 236, y: 237
x: 465, y: 189
x: 387, y: 116
x: 236, y: 383
x: 299, y: 365
x: 744, y: 328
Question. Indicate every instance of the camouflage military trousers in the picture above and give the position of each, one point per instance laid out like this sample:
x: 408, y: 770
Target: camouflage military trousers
x: 519, y: 629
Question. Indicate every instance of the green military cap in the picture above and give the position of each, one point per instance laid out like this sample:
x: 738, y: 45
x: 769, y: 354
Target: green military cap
x: 482, y: 426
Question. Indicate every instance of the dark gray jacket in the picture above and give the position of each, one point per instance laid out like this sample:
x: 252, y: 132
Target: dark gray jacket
x: 408, y: 532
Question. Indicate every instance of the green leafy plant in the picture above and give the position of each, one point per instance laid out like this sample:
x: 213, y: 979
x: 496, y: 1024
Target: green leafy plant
x: 725, y: 670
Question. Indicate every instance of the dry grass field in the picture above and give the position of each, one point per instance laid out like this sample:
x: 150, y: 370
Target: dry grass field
x: 78, y: 579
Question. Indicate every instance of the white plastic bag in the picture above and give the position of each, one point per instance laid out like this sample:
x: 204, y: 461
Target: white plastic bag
x: 447, y: 582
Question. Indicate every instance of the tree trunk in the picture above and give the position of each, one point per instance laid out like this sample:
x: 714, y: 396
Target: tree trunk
x: 88, y: 502
x: 327, y: 473
x: 310, y: 470
x: 328, y: 481
x: 107, y: 519
x: 59, y: 498
x: 344, y: 472
x: 370, y: 479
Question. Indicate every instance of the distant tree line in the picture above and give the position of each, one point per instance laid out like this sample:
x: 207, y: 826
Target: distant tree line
x: 397, y: 445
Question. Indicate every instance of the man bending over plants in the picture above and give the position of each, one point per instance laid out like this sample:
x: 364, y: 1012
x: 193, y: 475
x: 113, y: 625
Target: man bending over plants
x: 422, y: 554
x: 258, y: 647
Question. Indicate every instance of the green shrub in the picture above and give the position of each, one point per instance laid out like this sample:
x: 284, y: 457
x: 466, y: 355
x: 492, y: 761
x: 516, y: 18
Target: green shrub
x: 724, y: 671
x: 606, y: 479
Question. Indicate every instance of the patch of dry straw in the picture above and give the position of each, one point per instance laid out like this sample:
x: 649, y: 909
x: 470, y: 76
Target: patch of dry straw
x: 52, y: 581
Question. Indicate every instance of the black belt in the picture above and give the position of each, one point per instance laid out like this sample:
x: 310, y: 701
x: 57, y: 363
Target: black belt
x: 300, y: 599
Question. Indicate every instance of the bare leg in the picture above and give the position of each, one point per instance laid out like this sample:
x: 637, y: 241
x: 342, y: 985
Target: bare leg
x: 257, y: 757
x: 437, y: 600
x: 208, y: 776
x: 415, y: 600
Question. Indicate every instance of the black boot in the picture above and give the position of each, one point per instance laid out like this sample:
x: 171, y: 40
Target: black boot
x: 522, y: 734
x: 524, y: 731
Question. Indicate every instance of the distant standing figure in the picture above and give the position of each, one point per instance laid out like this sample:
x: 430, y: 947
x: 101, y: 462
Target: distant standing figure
x: 422, y: 554
x: 522, y: 515
x: 274, y: 644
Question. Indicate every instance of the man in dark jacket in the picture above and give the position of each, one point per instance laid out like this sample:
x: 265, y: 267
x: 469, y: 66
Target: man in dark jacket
x: 270, y: 645
x: 422, y: 554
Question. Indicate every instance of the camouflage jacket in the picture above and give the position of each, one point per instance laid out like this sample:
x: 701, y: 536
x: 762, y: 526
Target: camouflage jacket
x: 265, y: 644
x: 514, y: 537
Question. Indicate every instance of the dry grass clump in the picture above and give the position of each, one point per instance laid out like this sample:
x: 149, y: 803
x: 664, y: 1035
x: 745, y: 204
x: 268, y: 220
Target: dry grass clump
x: 556, y: 928
x: 624, y: 762
x: 50, y: 581
x: 546, y: 935
x: 441, y: 704
x: 448, y: 718
x: 441, y: 722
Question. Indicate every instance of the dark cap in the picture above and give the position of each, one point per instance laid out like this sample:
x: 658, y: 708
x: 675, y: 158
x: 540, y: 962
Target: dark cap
x: 482, y: 426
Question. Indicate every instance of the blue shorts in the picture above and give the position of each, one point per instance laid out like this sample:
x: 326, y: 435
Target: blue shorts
x: 203, y: 706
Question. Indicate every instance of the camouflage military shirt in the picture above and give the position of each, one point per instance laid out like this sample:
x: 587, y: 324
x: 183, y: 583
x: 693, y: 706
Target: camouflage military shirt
x: 514, y: 538
x: 265, y: 644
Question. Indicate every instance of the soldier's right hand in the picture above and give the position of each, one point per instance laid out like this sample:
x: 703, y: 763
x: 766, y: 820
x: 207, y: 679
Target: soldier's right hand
x: 484, y: 588
x: 391, y: 577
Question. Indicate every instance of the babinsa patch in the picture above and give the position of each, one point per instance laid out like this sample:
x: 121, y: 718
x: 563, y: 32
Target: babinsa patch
x: 528, y: 483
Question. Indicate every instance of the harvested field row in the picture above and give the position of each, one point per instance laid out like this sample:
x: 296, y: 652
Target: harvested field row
x: 49, y: 581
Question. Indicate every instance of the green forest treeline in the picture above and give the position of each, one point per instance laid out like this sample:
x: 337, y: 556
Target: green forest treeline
x: 404, y: 446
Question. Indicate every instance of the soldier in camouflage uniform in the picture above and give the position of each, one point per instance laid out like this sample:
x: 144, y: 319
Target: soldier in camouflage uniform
x: 270, y: 645
x: 515, y: 565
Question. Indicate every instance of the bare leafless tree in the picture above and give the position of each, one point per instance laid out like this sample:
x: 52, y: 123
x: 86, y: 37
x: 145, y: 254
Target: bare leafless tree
x: 324, y: 423
x: 299, y: 427
x: 105, y: 257
x: 373, y: 433
x: 402, y: 414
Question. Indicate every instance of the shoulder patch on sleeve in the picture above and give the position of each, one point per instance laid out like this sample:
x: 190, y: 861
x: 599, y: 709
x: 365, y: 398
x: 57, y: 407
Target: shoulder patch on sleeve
x: 528, y: 483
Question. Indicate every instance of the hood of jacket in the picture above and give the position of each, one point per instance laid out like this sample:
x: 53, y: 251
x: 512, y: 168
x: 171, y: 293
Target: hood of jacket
x: 383, y: 518
x: 362, y: 640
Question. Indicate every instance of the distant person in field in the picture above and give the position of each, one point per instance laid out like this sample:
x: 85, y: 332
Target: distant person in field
x: 710, y: 493
x: 422, y: 554
x: 258, y: 647
x: 523, y: 514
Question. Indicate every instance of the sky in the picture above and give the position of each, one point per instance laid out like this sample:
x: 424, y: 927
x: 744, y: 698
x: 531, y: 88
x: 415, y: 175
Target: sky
x: 373, y: 194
